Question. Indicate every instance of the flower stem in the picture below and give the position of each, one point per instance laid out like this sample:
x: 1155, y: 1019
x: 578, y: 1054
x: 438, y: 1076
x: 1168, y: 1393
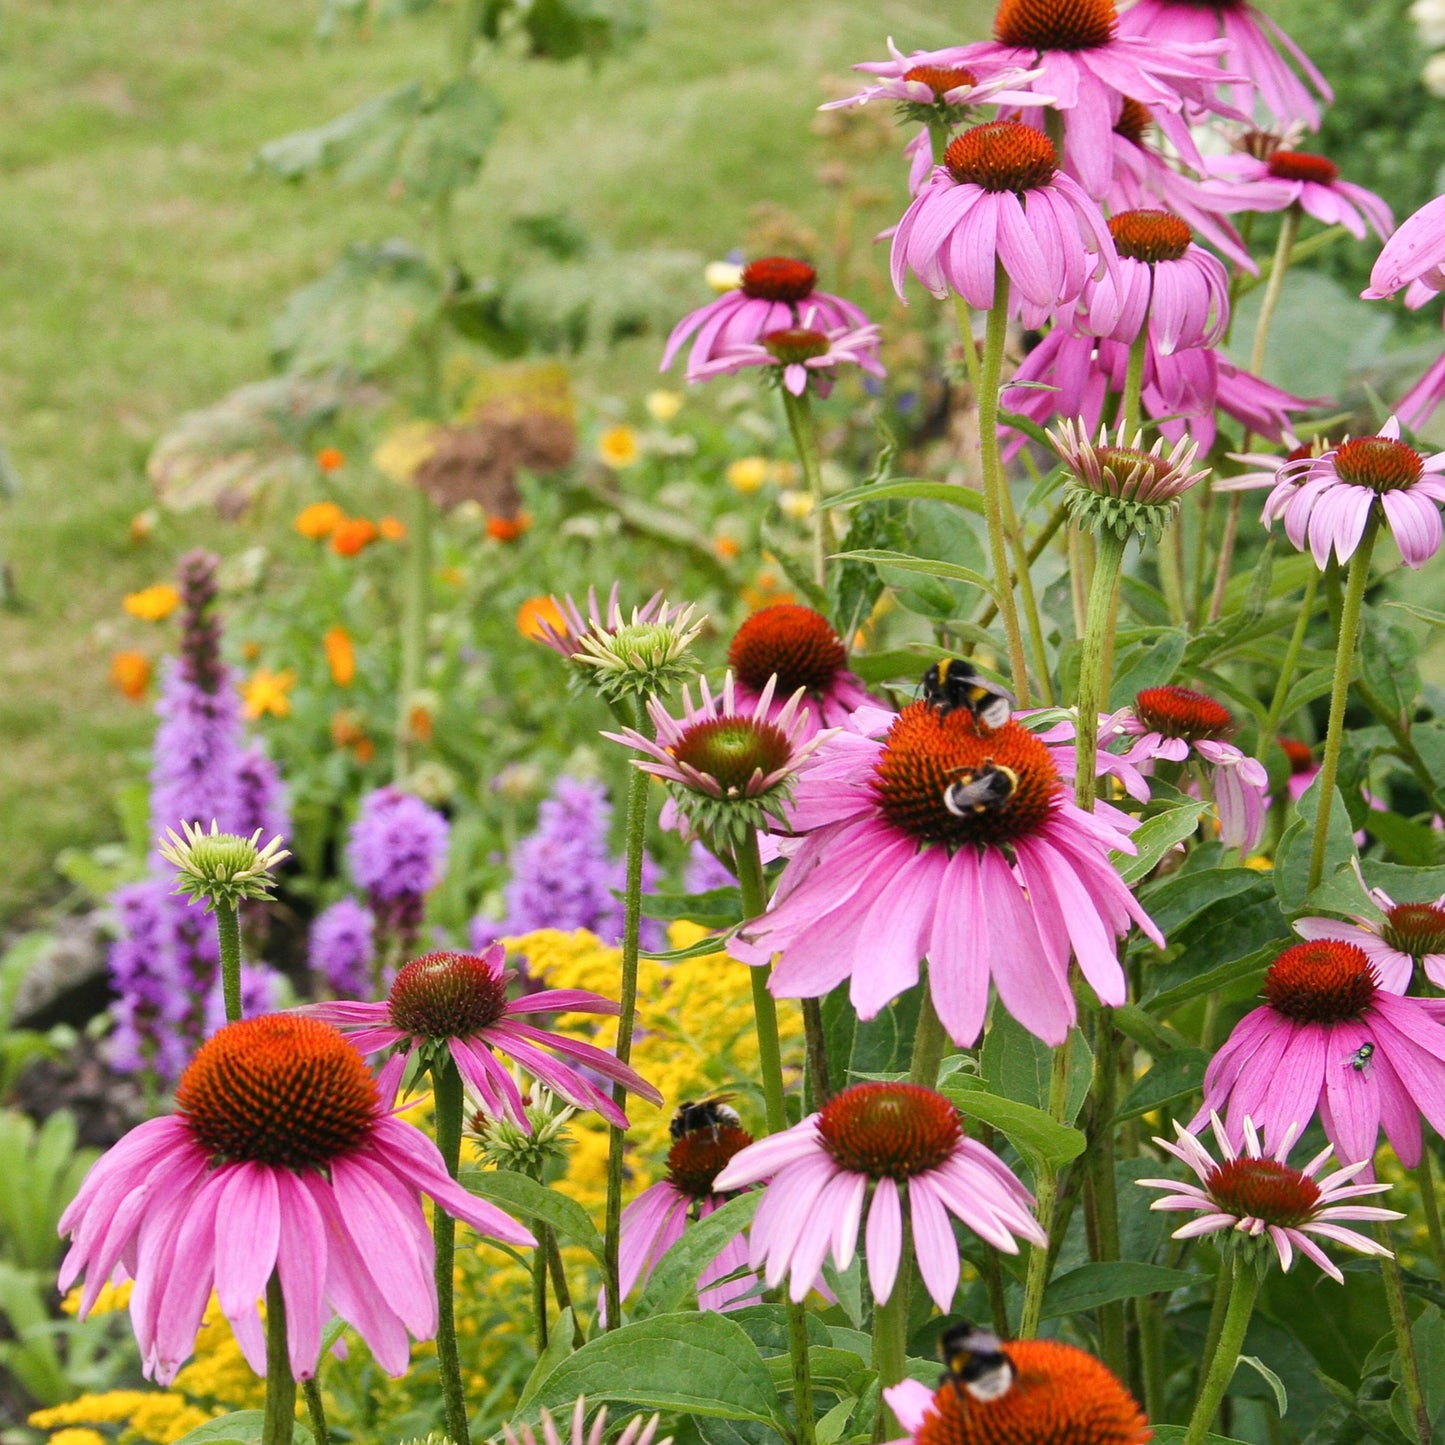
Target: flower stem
x: 1344, y: 667
x: 929, y: 1043
x: 228, y: 931
x: 1425, y: 1178
x: 1290, y: 663
x: 1404, y: 1339
x: 890, y: 1343
x: 1225, y: 1359
x: 627, y: 1013
x: 447, y: 1109
x: 1101, y: 1198
x: 804, y: 427
x: 1129, y: 403
x: 1223, y: 1287
x: 1094, y: 665
x: 539, y: 1287
x: 416, y: 605
x: 278, y: 1423
x: 994, y: 481
x: 820, y: 1087
x: 1046, y: 1190
x: 316, y: 1411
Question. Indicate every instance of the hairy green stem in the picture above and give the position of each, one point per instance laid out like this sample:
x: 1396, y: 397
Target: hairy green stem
x: 890, y: 1343
x: 1129, y: 404
x: 539, y: 1288
x: 316, y: 1410
x: 228, y: 931
x: 994, y: 481
x: 560, y: 1287
x: 1094, y: 665
x: 804, y: 427
x: 1219, y: 1307
x: 1425, y: 1178
x: 1150, y: 1320
x: 815, y: 1040
x: 636, y: 826
x: 447, y: 1110
x: 1224, y: 1361
x: 1103, y: 1197
x: 1032, y: 553
x: 930, y: 1041
x: 1046, y: 1201
x: 1359, y: 576
x: 279, y: 1421
x: 1404, y: 1338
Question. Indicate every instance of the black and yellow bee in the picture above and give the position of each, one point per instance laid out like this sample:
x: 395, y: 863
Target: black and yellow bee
x: 976, y: 1362
x: 951, y: 683
x: 692, y: 1115
x: 979, y: 792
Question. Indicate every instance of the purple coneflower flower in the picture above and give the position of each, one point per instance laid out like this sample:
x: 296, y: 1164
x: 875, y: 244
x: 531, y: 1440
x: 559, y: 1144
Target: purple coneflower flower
x: 1004, y: 882
x: 656, y: 1219
x: 798, y: 355
x: 1173, y: 722
x: 907, y: 1143
x: 281, y: 1157
x: 639, y: 1431
x: 1414, y: 257
x: 776, y: 293
x: 1000, y: 197
x: 1244, y: 182
x: 566, y: 641
x: 1255, y: 1193
x: 798, y: 646
x: 1331, y: 1037
x: 1407, y: 934
x: 1326, y: 501
x: 1253, y: 46
x: 459, y: 1001
x: 341, y: 948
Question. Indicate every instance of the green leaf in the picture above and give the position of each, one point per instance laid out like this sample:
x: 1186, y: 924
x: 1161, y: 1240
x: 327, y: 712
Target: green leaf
x: 1411, y: 843
x: 907, y: 490
x: 520, y: 1195
x: 1031, y: 1130
x: 1165, y: 1002
x: 1177, y: 1075
x: 1156, y: 836
x: 1174, y: 1435
x: 1154, y: 665
x: 674, y: 1281
x: 697, y: 1363
x: 559, y: 1346
x: 1019, y: 1066
x: 445, y: 146
x: 362, y: 143
x: 904, y: 563
x: 241, y: 1427
x: 1092, y: 1285
x: 719, y: 908
x: 1425, y: 614
x: 1292, y: 858
x: 1281, y: 1395
x: 898, y: 663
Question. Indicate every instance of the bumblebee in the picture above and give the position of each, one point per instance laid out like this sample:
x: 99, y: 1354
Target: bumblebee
x: 990, y: 787
x: 1360, y: 1059
x: 951, y: 683
x: 692, y: 1115
x: 976, y: 1362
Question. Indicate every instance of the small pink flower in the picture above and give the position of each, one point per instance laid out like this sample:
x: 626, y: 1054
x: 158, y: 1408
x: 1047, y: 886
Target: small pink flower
x: 1326, y: 501
x: 889, y: 866
x: 798, y: 355
x: 1331, y: 1037
x: 1250, y: 183
x: 1173, y: 722
x: 1000, y: 197
x: 1256, y: 1194
x: 1255, y: 47
x: 775, y: 294
x: 1407, y: 934
x: 458, y: 1001
x: 281, y: 1158
x: 799, y: 647
x: 907, y: 1143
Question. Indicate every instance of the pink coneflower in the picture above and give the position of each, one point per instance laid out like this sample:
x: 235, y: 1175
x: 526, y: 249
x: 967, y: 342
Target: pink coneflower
x: 1330, y: 1036
x: 907, y: 1142
x: 458, y: 1001
x: 1262, y: 468
x: 1060, y: 738
x: 1326, y: 501
x: 656, y: 1219
x: 1413, y: 257
x: 1304, y: 767
x: 1406, y: 935
x: 1090, y: 68
x: 1244, y: 182
x: 797, y: 355
x: 1174, y: 722
x: 799, y: 647
x: 1255, y: 1193
x: 281, y: 1157
x: 639, y: 1430
x: 1253, y: 49
x: 1162, y: 277
x: 1004, y: 881
x: 999, y: 196
x: 564, y: 637
x: 776, y: 293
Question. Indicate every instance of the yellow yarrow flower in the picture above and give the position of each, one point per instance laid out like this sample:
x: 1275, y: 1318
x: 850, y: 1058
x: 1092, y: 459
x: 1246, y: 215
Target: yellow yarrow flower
x: 662, y: 406
x: 747, y: 474
x: 111, y: 1407
x: 73, y: 1435
x: 152, y: 604
x: 618, y: 447
x: 165, y: 1417
x: 796, y: 505
x: 267, y: 692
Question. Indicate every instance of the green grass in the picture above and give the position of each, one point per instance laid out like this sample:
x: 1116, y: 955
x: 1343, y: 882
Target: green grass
x: 141, y: 266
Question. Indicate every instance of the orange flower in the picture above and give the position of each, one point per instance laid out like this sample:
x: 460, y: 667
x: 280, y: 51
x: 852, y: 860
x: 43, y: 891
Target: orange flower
x: 330, y: 459
x: 267, y: 692
x: 726, y: 547
x: 419, y: 722
x: 354, y: 535
x: 340, y: 656
x: 130, y: 674
x: 392, y: 529
x: 250, y: 650
x: 508, y: 529
x: 534, y: 612
x: 319, y: 520
x: 152, y: 604
x: 143, y: 525
x: 347, y: 732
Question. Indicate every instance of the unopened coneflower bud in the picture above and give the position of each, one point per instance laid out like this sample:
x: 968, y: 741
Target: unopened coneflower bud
x: 222, y: 868
x: 641, y: 658
x: 503, y: 1144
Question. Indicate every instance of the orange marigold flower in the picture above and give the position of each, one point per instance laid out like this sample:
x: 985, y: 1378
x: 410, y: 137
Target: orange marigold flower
x: 392, y: 529
x: 340, y: 656
x: 419, y: 722
x: 727, y: 548
x: 152, y: 604
x: 618, y: 447
x: 130, y: 673
x: 267, y: 692
x: 534, y: 612
x: 508, y: 529
x: 319, y: 520
x: 354, y: 535
x: 330, y: 459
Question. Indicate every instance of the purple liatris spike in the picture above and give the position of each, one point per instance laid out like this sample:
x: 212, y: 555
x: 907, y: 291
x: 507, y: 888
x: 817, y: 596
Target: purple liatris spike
x: 340, y: 950
x: 261, y: 801
x: 397, y: 850
x: 143, y: 974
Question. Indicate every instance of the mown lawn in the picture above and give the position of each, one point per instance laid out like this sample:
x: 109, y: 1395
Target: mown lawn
x: 141, y: 265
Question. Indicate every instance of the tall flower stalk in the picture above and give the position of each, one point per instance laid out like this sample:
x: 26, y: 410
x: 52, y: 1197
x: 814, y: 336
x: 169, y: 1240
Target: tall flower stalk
x: 804, y: 428
x: 447, y: 1109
